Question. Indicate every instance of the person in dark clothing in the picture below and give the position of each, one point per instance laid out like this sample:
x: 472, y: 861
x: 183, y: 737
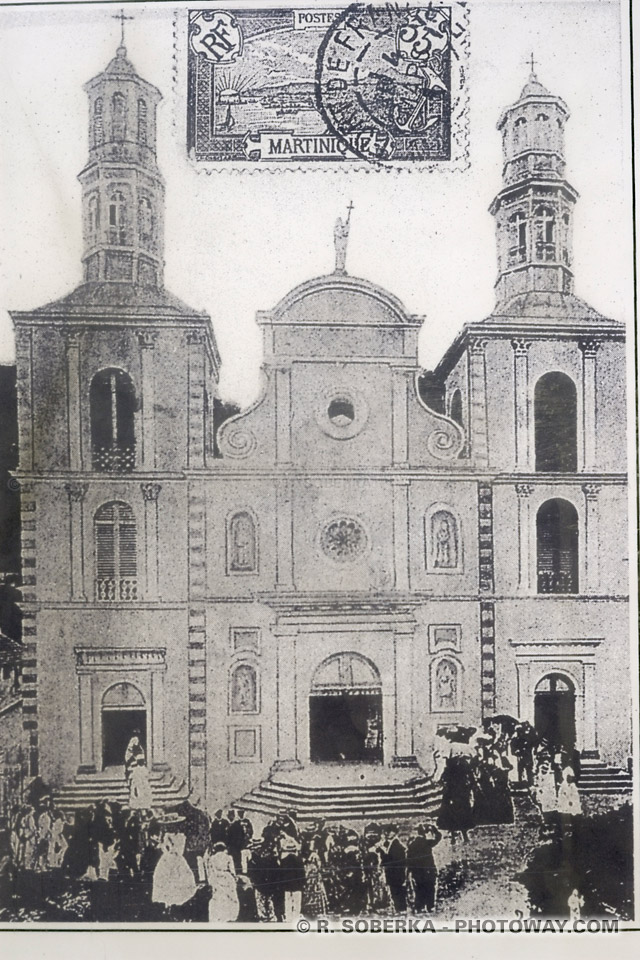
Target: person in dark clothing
x: 422, y: 867
x: 197, y: 831
x: 456, y: 810
x: 395, y: 868
x: 219, y: 828
x: 247, y: 833
x: 236, y: 841
x: 82, y: 851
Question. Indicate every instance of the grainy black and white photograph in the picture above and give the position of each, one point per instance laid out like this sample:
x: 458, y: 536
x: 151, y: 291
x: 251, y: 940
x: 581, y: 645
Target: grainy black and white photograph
x: 318, y: 570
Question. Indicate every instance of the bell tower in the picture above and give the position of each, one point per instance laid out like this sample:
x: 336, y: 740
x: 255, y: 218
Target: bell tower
x: 534, y: 209
x: 122, y: 188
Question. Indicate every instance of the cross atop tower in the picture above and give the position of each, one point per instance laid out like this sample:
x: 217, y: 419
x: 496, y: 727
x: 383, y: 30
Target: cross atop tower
x: 532, y: 64
x: 121, y: 17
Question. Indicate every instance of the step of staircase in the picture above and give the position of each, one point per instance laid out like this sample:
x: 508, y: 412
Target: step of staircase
x: 597, y: 777
x: 87, y: 789
x: 417, y: 797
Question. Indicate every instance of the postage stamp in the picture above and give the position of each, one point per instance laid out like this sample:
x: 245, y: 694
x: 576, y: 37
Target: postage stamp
x: 304, y: 85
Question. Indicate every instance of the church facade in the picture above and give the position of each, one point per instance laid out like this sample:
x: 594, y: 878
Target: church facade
x: 337, y: 572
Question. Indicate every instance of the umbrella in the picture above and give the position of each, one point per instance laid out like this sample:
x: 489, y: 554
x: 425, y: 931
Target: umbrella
x: 456, y: 733
x: 506, y: 723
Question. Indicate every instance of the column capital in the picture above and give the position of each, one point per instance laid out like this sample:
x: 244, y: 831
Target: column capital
x: 589, y: 348
x: 477, y: 346
x: 194, y: 337
x: 520, y: 346
x: 591, y: 491
x: 76, y: 491
x: 401, y: 482
x: 151, y: 491
x: 72, y: 338
x: 524, y: 490
x: 147, y: 338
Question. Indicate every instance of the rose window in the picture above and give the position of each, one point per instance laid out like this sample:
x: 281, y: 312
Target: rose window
x: 343, y: 539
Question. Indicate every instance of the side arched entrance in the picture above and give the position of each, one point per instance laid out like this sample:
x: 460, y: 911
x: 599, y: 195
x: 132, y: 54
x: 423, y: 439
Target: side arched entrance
x: 345, y: 711
x: 555, y: 711
x: 124, y: 714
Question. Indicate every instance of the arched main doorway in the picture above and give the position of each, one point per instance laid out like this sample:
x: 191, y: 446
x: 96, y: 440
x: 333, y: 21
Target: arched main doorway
x: 345, y: 711
x: 555, y: 711
x: 124, y: 714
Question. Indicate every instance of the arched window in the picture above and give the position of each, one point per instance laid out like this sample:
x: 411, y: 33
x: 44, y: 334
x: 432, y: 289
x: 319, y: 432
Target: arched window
x: 517, y: 238
x: 545, y: 233
x: 557, y: 543
x: 113, y: 403
x: 94, y: 216
x: 242, y: 544
x: 145, y: 220
x: 116, y: 553
x: 243, y: 692
x: 142, y: 121
x: 98, y: 126
x: 118, y: 218
x: 442, y: 541
x: 520, y: 122
x: 446, y: 685
x: 118, y: 117
x: 555, y: 412
x: 542, y: 116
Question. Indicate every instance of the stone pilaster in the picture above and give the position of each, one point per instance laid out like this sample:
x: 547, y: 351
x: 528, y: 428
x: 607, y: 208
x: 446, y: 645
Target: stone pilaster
x: 521, y: 399
x: 478, y: 406
x: 488, y: 657
x: 196, y: 376
x: 403, y: 752
x: 485, y: 538
x: 76, y: 493
x: 73, y: 341
x: 150, y: 493
x: 286, y: 700
x: 591, y: 565
x: 24, y: 388
x: 283, y: 414
x: 197, y: 639
x: 400, y: 416
x: 284, y: 534
x: 401, y: 560
x: 524, y: 491
x: 589, y: 350
x: 147, y: 341
x: 29, y: 691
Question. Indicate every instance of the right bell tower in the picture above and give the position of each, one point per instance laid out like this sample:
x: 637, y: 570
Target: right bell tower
x: 534, y: 208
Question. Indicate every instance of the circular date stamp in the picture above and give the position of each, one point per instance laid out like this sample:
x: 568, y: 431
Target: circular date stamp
x: 383, y: 81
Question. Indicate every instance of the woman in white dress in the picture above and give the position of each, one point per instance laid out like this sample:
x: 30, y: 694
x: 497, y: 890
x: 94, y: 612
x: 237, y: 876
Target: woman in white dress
x: 173, y: 880
x: 568, y: 796
x: 221, y: 877
x: 140, y: 794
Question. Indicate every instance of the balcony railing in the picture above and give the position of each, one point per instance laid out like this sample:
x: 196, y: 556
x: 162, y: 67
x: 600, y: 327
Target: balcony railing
x: 116, y: 588
x: 551, y: 581
x: 114, y: 459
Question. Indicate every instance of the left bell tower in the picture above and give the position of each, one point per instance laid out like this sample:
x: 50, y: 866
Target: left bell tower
x: 122, y: 188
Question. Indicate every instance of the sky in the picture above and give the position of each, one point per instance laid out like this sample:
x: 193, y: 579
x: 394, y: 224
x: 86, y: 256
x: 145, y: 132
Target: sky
x: 237, y: 242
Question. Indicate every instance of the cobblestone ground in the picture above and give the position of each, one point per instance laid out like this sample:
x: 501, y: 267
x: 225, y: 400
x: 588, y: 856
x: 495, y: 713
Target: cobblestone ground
x: 477, y: 878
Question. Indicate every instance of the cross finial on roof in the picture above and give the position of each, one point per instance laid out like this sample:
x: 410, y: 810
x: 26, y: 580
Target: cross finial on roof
x: 532, y: 64
x: 121, y: 17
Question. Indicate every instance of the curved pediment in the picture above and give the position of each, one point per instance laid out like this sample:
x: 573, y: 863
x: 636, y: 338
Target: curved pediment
x: 341, y: 299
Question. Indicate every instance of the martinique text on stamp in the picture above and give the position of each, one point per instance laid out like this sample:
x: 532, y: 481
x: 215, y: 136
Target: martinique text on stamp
x: 306, y: 85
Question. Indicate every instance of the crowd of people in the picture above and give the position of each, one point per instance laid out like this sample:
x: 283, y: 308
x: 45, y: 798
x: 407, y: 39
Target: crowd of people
x: 183, y: 865
x: 482, y: 765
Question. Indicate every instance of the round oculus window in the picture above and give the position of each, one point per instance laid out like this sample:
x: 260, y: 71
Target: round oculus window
x: 343, y: 539
x: 341, y: 412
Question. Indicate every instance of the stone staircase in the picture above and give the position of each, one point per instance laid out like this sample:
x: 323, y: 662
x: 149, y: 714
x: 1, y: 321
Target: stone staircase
x: 374, y: 799
x: 597, y: 777
x: 87, y: 789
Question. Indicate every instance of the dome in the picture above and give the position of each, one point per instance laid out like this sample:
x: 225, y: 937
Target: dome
x: 551, y: 306
x: 339, y: 298
x: 120, y: 65
x: 533, y: 88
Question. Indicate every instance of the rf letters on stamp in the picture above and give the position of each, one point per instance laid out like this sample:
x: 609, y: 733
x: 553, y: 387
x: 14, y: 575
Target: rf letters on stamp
x: 302, y: 85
